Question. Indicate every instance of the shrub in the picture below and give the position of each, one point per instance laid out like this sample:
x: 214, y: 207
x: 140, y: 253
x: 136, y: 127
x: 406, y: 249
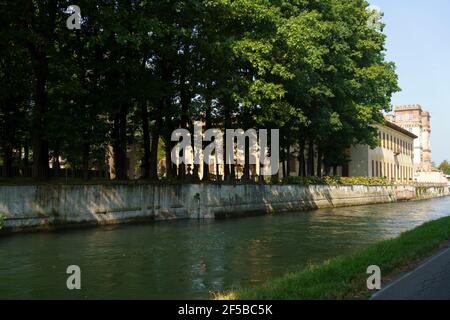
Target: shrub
x: 366, y: 181
x: 335, y: 181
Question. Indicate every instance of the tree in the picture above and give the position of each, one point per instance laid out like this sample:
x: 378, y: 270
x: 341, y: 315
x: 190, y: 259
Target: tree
x: 445, y: 167
x: 137, y: 70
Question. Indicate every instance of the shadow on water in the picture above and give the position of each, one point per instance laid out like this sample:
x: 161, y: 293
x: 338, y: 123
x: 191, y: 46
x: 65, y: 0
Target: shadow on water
x: 188, y: 259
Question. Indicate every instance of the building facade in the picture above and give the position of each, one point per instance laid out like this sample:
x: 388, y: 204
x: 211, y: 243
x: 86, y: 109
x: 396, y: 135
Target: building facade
x: 393, y: 159
x: 414, y: 119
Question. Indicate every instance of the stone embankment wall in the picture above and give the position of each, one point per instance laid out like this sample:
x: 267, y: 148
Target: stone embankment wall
x: 45, y: 206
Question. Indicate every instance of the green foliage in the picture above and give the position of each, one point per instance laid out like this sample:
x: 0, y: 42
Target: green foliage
x: 445, y: 167
x: 336, y: 181
x: 314, y: 69
x: 345, y: 277
x: 169, y: 180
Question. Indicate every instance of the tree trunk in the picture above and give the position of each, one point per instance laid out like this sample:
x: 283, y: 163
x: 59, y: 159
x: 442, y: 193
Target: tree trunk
x: 288, y: 164
x: 170, y: 172
x: 171, y: 168
x: 247, y: 124
x: 311, y: 172
x: 8, y: 160
x: 206, y: 173
x: 120, y: 143
x: 146, y: 137
x: 246, y: 169
x: 229, y: 168
x: 185, y: 101
x: 86, y: 152
x: 327, y: 170
x: 156, y: 132
x: 226, y: 172
x: 39, y: 139
x: 319, y: 162
x: 7, y: 136
x: 195, y: 173
x: 301, y: 159
x: 26, y: 154
x: 154, y: 156
x: 56, y: 164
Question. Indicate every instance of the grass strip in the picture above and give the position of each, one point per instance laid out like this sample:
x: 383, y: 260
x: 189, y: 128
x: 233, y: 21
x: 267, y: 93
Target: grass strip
x: 345, y: 277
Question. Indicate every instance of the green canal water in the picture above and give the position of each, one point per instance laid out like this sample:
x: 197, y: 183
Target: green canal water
x: 189, y: 259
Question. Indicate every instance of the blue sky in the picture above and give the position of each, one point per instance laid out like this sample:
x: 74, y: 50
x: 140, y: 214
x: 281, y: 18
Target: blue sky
x: 418, y: 41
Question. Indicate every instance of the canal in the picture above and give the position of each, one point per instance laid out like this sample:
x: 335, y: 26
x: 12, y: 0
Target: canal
x: 189, y: 259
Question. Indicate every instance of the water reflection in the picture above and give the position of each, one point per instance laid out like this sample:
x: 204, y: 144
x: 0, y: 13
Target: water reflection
x: 188, y: 259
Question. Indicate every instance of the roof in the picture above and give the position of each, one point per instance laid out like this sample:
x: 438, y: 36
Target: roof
x: 408, y: 107
x: 400, y: 129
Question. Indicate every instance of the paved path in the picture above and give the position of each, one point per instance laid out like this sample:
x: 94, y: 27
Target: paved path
x: 429, y: 281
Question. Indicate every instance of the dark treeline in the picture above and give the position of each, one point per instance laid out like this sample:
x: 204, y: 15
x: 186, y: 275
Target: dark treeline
x: 137, y: 70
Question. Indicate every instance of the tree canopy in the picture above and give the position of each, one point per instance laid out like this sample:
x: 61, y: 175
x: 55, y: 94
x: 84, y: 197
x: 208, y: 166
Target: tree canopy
x: 445, y: 167
x: 138, y: 69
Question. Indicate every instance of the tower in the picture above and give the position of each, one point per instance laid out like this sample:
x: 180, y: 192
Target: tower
x: 417, y: 121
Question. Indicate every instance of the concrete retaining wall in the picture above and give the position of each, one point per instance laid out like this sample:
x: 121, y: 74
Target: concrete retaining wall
x: 45, y: 206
